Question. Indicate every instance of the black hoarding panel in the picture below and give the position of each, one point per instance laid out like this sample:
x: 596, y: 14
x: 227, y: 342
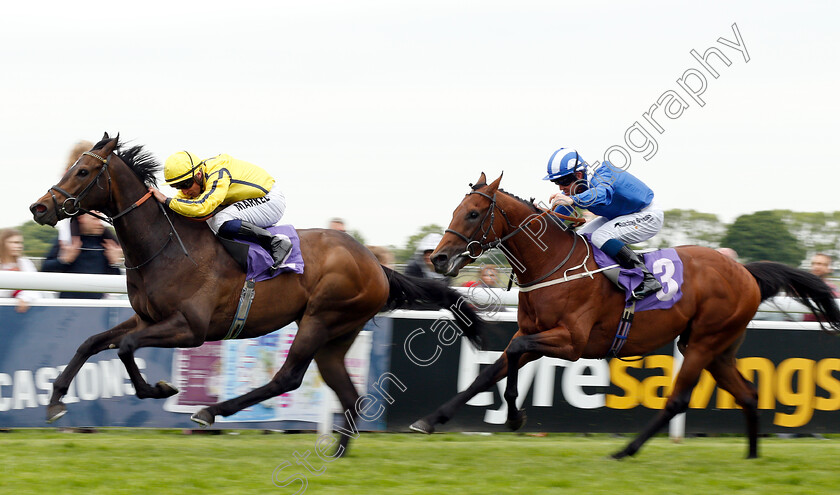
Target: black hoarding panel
x: 797, y: 373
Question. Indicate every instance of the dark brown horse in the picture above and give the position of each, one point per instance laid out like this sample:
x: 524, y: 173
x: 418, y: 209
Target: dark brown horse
x: 579, y: 318
x: 184, y: 287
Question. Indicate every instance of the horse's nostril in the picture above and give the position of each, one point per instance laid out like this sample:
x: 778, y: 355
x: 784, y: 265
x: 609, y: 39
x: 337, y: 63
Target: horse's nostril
x: 439, y: 258
x: 37, y: 208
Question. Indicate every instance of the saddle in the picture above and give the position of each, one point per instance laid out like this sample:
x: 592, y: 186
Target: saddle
x: 256, y: 261
x: 664, y: 264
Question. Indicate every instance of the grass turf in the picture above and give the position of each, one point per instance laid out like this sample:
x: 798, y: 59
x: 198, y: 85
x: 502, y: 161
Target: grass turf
x: 117, y: 461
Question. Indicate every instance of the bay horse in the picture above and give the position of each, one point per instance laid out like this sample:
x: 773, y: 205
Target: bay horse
x: 184, y: 287
x: 578, y: 318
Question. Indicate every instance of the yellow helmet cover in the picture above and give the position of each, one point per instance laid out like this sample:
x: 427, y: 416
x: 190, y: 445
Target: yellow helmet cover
x: 180, y: 166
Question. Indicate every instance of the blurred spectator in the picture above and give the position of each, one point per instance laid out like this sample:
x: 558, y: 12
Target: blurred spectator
x: 488, y: 277
x: 486, y: 300
x: 337, y: 224
x: 821, y: 267
x: 95, y: 250
x: 69, y: 228
x: 728, y: 252
x: 11, y: 250
x: 420, y: 265
x: 384, y: 255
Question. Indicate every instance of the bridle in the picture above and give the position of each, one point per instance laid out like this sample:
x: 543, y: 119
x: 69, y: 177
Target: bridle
x: 76, y: 203
x: 482, y: 245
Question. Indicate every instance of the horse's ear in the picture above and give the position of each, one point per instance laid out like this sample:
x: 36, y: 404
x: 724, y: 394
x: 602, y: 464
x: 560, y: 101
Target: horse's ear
x: 482, y: 180
x: 110, y: 146
x: 105, y: 136
x: 495, y: 185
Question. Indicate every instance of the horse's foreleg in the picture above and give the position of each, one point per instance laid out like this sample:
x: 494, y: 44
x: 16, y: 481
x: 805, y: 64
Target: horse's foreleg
x: 556, y: 342
x: 482, y: 382
x: 108, y: 339
x: 174, y: 331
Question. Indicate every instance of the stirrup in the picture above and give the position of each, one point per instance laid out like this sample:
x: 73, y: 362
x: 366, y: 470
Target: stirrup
x: 286, y: 244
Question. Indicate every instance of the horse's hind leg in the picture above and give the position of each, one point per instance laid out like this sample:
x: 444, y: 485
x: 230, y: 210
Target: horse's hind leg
x: 677, y: 403
x: 730, y: 379
x: 330, y: 360
x: 309, y: 337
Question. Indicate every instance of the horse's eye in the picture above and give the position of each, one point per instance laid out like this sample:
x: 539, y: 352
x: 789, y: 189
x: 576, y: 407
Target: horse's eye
x: 82, y: 173
x: 473, y: 215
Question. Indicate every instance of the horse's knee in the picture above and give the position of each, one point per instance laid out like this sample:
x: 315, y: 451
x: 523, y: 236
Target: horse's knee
x: 286, y: 381
x: 90, y: 346
x: 127, y: 347
x: 749, y: 405
x: 86, y: 349
x: 678, y: 404
x: 516, y: 347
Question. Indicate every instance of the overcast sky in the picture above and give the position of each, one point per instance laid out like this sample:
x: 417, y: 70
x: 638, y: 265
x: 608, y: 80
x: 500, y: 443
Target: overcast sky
x: 383, y: 112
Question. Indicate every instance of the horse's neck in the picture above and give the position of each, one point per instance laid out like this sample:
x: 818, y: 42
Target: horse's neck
x: 145, y: 230
x: 539, y: 249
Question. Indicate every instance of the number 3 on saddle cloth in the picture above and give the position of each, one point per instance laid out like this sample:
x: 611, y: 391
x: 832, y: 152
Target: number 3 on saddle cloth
x: 256, y: 263
x: 664, y: 264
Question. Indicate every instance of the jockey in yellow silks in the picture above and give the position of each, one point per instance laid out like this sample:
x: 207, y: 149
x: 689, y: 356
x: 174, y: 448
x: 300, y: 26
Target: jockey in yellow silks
x: 241, y: 196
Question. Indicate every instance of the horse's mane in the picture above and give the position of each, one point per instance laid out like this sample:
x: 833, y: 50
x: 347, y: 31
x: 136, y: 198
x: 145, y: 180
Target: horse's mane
x: 144, y: 165
x: 524, y: 201
x: 529, y: 204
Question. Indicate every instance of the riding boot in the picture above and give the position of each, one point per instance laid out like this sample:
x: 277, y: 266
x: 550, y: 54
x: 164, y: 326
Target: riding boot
x: 279, y: 245
x: 627, y: 258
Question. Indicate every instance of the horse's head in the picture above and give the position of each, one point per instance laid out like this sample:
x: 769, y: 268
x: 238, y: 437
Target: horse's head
x: 85, y: 186
x: 474, y: 225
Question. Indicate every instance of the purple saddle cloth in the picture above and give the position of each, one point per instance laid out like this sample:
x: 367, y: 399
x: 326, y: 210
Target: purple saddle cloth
x: 259, y: 260
x: 664, y: 264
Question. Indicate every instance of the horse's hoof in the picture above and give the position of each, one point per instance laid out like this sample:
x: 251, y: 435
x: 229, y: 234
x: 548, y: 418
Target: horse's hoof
x: 422, y: 426
x: 203, y: 418
x: 55, y: 411
x: 165, y: 389
x: 621, y: 454
x: 517, y: 422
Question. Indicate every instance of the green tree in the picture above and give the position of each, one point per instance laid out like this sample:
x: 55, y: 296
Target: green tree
x: 817, y: 231
x: 404, y: 254
x: 763, y: 235
x: 37, y: 239
x: 690, y: 227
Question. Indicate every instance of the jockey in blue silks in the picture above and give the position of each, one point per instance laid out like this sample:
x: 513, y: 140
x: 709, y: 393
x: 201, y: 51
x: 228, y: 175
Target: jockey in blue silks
x: 624, y: 205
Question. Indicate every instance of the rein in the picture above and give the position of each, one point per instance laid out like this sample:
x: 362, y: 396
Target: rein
x: 484, y: 246
x: 75, y: 202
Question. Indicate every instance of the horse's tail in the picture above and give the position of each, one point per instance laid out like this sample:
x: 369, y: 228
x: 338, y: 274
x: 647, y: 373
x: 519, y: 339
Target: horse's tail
x: 805, y: 287
x: 419, y: 293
